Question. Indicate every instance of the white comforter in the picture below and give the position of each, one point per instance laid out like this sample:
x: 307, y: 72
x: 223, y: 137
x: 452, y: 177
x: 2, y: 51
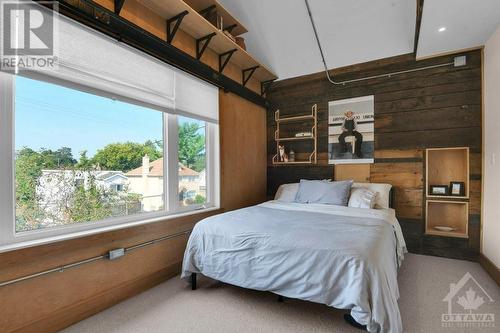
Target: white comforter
x: 343, y: 257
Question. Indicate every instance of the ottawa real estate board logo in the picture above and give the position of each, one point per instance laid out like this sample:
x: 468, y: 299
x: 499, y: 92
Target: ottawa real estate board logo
x: 28, y: 35
x: 468, y: 305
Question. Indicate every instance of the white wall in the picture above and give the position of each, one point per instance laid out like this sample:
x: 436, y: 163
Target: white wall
x: 491, y: 223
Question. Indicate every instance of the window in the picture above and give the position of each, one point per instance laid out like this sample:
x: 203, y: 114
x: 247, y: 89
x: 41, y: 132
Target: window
x: 192, y: 162
x: 84, y: 160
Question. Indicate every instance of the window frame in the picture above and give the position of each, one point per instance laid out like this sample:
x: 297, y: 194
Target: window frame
x: 10, y: 239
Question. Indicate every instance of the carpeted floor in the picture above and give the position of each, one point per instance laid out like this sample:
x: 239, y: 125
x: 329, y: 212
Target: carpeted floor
x: 216, y: 307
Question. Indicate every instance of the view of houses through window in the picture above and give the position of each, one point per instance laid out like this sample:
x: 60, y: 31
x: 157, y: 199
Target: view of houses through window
x: 85, y: 158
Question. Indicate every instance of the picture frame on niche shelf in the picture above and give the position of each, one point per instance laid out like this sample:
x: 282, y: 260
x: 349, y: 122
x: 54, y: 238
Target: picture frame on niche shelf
x: 439, y: 190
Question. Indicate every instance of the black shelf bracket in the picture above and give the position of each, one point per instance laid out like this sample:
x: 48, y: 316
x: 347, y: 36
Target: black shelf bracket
x: 230, y: 28
x: 224, y: 59
x: 207, y: 11
x: 202, y: 43
x: 264, y: 87
x: 247, y: 74
x: 176, y: 20
x: 118, y: 6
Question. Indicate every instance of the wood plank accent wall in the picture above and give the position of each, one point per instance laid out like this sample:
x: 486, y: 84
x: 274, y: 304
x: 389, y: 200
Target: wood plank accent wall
x: 439, y: 107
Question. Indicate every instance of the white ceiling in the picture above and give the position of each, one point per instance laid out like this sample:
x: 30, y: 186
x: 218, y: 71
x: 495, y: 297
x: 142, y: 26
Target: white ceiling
x: 468, y: 23
x: 355, y: 31
x: 351, y: 31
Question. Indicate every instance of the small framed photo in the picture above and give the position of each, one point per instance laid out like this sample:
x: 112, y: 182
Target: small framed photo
x: 439, y: 189
x: 457, y: 189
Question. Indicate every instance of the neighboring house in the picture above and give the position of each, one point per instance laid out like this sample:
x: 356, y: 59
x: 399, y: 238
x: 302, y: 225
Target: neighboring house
x: 147, y: 180
x: 56, y: 187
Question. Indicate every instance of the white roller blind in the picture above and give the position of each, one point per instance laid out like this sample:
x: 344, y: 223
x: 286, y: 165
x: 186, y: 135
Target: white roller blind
x: 196, y: 98
x: 92, y: 59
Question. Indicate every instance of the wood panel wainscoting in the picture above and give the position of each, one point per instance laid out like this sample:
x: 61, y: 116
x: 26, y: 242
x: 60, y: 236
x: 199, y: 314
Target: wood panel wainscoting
x: 439, y: 107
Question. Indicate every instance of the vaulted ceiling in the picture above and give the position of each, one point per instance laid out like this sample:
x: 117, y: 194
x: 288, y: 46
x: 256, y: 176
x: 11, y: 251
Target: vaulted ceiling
x: 355, y: 31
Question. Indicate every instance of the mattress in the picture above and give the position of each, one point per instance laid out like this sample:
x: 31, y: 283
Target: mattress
x: 343, y: 257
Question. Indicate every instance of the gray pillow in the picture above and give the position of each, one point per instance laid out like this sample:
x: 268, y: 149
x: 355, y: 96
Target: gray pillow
x: 318, y: 191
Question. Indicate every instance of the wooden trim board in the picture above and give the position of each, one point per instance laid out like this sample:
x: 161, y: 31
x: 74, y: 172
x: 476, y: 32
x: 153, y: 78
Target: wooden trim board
x: 490, y: 267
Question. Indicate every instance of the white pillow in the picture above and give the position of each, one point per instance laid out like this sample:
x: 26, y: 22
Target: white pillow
x: 287, y: 192
x: 382, y: 190
x: 362, y: 198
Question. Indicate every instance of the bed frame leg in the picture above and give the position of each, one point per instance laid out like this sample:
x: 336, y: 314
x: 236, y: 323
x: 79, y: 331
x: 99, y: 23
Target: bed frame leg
x: 281, y: 299
x: 193, y: 281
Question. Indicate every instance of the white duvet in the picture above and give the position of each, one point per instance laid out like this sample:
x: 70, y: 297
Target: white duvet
x: 343, y: 257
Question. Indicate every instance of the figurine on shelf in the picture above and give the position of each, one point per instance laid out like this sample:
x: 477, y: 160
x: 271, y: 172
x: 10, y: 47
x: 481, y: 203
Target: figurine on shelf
x: 292, y: 156
x: 283, y: 157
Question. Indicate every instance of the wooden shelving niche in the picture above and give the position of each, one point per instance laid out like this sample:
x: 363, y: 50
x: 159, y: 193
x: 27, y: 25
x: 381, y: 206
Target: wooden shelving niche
x: 447, y: 215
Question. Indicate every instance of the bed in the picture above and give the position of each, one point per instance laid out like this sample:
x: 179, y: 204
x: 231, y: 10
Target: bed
x: 344, y: 257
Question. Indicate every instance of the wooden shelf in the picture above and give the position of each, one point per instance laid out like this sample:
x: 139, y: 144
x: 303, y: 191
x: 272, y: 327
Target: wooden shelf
x: 300, y: 138
x: 198, y: 27
x: 444, y: 165
x: 228, y: 19
x: 453, y: 214
x: 313, y: 138
x: 295, y: 119
x: 451, y: 197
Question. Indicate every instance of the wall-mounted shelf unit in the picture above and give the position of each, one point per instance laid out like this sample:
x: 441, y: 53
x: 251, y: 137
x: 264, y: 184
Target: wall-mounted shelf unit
x: 442, y: 214
x: 209, y: 36
x: 447, y: 215
x: 305, y: 123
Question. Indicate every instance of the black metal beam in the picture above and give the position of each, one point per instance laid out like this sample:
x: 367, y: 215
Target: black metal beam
x: 176, y: 20
x: 418, y: 23
x: 230, y: 28
x: 118, y: 6
x: 202, y: 43
x: 207, y: 11
x: 264, y: 87
x: 247, y: 74
x: 107, y: 22
x: 224, y: 59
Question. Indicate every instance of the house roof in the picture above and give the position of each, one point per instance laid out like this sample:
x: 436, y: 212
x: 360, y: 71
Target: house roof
x: 156, y: 170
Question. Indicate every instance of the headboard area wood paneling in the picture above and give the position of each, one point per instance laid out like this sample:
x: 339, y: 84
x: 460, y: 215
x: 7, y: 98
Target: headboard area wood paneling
x: 438, y: 107
x: 279, y: 175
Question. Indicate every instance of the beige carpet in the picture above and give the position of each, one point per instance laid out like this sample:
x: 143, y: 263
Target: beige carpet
x: 215, y: 307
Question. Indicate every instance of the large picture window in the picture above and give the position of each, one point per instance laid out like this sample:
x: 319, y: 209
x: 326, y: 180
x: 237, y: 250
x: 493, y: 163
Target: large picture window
x: 82, y: 160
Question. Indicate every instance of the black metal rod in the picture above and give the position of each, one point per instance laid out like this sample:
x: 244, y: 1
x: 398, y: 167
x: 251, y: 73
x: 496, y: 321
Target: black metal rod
x: 119, y: 5
x: 171, y: 31
x: 202, y: 44
x: 224, y: 59
x: 105, y: 21
x: 193, y: 281
x: 247, y: 74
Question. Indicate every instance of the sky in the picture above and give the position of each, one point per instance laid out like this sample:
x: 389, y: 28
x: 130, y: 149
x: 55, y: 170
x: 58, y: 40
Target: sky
x: 50, y: 116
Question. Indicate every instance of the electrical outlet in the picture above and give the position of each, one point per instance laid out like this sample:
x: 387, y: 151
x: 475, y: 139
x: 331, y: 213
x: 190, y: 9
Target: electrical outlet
x: 116, y: 253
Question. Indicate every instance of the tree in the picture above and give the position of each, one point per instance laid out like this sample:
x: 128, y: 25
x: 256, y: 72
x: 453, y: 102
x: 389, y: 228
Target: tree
x: 84, y: 162
x: 29, y: 166
x: 126, y: 156
x: 191, y: 146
